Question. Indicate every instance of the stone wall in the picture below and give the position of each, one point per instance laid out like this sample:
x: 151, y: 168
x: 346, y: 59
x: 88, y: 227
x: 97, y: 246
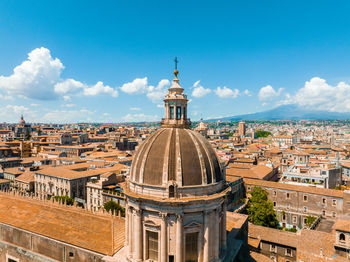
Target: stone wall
x: 27, y: 246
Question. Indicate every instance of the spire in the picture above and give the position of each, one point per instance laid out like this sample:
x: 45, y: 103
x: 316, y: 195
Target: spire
x: 176, y: 71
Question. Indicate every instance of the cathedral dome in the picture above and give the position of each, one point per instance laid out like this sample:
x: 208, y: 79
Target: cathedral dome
x: 174, y: 159
x: 176, y: 156
x: 21, y: 122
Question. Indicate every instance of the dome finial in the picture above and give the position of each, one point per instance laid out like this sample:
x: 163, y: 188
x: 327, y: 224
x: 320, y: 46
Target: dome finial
x: 176, y: 71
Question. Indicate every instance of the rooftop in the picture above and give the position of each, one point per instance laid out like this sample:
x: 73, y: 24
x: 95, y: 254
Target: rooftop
x: 67, y: 224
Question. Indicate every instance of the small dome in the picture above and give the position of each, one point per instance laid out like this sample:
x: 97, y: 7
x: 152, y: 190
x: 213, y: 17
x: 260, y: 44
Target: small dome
x: 175, y: 155
x: 21, y: 121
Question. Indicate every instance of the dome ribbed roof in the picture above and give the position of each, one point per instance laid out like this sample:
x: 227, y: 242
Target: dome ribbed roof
x: 176, y: 154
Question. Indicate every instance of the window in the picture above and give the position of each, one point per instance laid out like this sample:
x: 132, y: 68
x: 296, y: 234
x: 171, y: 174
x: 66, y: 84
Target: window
x: 323, y: 212
x: 342, y: 237
x: 283, y: 216
x: 274, y: 193
x: 294, y: 219
x: 71, y: 254
x: 178, y: 112
x: 171, y: 112
x: 273, y: 248
x: 334, y: 214
x: 334, y: 202
x: 323, y: 201
x: 11, y: 258
x: 152, y: 245
x: 249, y: 188
x: 304, y: 221
x: 305, y: 209
x: 191, y: 249
x: 288, y: 196
x: 288, y: 252
x: 171, y: 191
x: 305, y: 198
x: 274, y: 204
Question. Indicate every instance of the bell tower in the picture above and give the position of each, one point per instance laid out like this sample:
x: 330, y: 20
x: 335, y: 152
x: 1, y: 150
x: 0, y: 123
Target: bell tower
x: 176, y: 105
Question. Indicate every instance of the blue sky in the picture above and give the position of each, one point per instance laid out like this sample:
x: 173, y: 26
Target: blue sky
x: 112, y: 60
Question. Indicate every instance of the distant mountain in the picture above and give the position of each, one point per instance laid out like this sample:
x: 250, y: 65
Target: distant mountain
x: 289, y: 112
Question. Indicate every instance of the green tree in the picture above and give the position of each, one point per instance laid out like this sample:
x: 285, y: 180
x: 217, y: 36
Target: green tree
x: 67, y: 200
x: 260, y: 210
x: 113, y: 206
x: 262, y: 133
x: 310, y: 220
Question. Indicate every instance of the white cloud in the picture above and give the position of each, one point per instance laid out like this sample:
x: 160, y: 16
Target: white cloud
x: 68, y: 105
x: 268, y: 93
x: 68, y: 86
x: 156, y: 94
x: 140, y: 118
x: 100, y: 89
x: 137, y: 86
x: 226, y: 92
x: 199, y: 91
x: 106, y: 114
x: 35, y: 77
x: 14, y: 112
x: 134, y: 109
x: 67, y: 98
x: 140, y: 86
x: 247, y: 92
x: 34, y: 105
x: 317, y: 94
x: 39, y: 77
x: 68, y: 116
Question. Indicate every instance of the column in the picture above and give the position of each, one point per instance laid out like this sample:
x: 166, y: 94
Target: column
x: 130, y: 231
x: 223, y: 226
x: 179, y: 237
x: 163, y: 239
x: 126, y: 244
x: 206, y: 237
x: 216, y: 234
x: 138, y: 235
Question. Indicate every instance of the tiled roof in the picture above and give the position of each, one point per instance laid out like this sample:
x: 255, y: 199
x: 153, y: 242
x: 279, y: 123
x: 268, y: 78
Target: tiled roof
x: 66, y: 224
x: 305, y: 189
x: 272, y: 235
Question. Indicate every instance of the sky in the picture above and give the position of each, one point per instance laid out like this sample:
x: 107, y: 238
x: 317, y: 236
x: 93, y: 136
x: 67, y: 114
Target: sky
x: 112, y: 61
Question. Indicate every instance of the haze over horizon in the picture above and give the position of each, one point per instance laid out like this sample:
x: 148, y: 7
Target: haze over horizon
x: 62, y: 63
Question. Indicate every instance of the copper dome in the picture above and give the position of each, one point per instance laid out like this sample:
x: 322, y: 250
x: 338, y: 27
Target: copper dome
x: 176, y: 155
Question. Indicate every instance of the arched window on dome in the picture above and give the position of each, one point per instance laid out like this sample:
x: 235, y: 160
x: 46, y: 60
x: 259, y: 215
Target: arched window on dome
x: 171, y: 112
x: 178, y: 112
x: 171, y: 191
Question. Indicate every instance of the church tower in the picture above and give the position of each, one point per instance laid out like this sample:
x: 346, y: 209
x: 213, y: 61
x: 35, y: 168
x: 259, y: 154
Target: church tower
x: 175, y: 195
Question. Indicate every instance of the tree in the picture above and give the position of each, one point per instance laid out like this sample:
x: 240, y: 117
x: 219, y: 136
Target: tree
x: 310, y: 220
x: 66, y: 199
x: 113, y: 206
x: 260, y: 210
x: 261, y: 133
